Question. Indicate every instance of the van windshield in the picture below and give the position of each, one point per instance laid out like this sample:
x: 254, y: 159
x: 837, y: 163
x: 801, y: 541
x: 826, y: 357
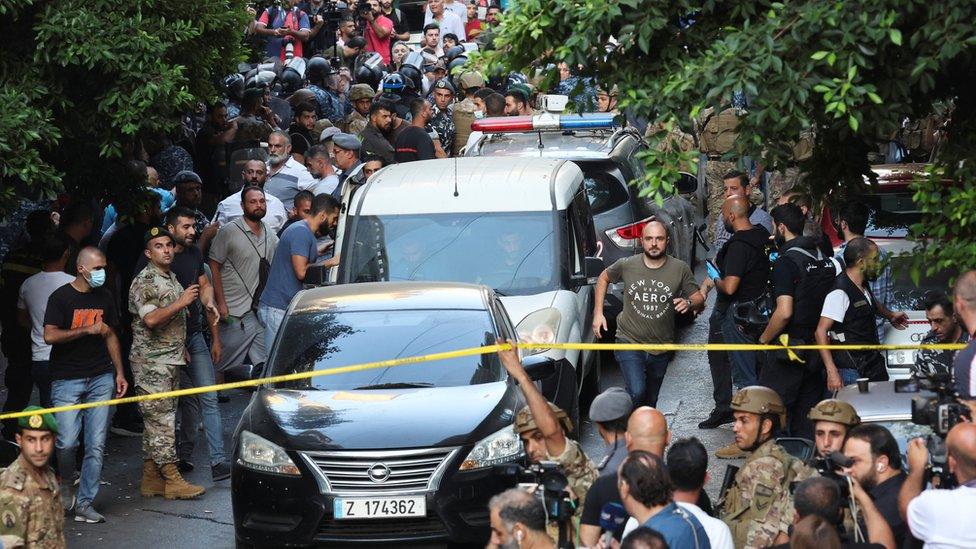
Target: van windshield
x: 514, y: 253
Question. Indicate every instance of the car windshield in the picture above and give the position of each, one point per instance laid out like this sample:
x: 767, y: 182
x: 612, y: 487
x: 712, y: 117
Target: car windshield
x: 324, y: 339
x: 514, y: 253
x: 891, y: 215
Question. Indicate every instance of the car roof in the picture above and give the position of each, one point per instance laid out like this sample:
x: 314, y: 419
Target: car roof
x: 579, y: 145
x: 470, y: 184
x: 881, y: 403
x: 389, y: 296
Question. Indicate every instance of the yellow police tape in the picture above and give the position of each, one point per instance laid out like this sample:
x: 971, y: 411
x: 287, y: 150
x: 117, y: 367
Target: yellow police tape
x: 664, y: 347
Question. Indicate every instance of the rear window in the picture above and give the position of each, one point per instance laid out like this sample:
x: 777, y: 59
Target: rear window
x: 605, y: 188
x: 891, y: 215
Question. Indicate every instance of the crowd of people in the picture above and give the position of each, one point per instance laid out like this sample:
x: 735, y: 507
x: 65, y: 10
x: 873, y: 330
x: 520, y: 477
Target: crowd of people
x: 189, y: 280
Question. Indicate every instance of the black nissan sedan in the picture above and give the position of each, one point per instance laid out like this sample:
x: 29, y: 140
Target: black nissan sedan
x: 402, y: 453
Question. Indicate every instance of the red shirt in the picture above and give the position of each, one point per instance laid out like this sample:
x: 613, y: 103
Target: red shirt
x: 380, y: 45
x: 473, y: 25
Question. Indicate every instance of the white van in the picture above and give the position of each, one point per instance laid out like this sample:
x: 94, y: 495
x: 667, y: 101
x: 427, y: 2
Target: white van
x: 519, y: 225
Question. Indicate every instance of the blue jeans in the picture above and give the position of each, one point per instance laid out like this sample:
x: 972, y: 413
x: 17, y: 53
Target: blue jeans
x: 848, y: 375
x: 643, y: 374
x: 270, y: 318
x: 41, y: 374
x: 199, y: 372
x: 95, y: 420
x: 743, y: 362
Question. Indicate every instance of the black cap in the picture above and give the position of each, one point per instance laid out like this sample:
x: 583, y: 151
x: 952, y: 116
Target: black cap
x: 154, y: 233
x: 187, y: 175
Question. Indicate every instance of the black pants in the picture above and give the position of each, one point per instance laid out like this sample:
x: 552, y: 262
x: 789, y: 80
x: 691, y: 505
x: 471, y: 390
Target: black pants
x: 800, y: 386
x: 718, y: 364
x: 19, y: 387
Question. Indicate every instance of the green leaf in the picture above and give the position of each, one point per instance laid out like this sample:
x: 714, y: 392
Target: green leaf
x: 852, y: 122
x: 817, y: 56
x: 875, y: 98
x: 895, y: 36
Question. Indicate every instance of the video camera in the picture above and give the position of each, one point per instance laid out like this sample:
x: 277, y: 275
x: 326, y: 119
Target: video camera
x: 830, y: 467
x: 940, y: 413
x: 362, y: 8
x: 555, y: 496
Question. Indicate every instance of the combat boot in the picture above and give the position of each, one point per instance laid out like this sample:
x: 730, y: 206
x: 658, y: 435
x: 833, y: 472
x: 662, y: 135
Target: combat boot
x: 175, y: 486
x: 152, y: 483
x: 730, y: 452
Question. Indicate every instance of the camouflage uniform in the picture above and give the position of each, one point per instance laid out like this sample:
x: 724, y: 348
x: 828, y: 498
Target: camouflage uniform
x: 156, y: 357
x: 443, y: 123
x: 758, y: 505
x: 354, y: 123
x: 463, y: 118
x: 580, y: 473
x: 30, y: 512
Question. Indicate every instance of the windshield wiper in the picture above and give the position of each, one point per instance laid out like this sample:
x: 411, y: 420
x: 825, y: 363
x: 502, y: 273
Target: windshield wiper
x: 396, y: 385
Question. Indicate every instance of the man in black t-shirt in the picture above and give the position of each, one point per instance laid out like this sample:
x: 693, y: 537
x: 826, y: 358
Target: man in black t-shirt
x: 414, y: 143
x: 742, y: 278
x: 85, y: 366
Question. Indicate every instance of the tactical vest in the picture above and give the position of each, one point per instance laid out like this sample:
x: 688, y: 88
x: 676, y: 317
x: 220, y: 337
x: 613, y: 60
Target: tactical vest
x: 818, y: 274
x: 858, y: 325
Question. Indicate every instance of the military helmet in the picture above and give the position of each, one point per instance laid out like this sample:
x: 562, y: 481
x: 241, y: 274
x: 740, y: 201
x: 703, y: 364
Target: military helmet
x: 757, y: 399
x: 836, y: 411
x: 525, y: 422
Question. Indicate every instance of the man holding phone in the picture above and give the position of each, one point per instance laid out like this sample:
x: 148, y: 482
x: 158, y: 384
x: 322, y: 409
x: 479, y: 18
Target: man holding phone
x: 656, y: 287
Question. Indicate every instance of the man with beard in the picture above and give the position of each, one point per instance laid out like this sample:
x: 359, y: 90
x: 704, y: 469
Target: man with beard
x: 239, y: 260
x: 802, y: 278
x: 414, y: 143
x: 158, y: 304
x: 518, y: 521
x: 361, y: 98
x: 189, y: 193
x: 255, y: 174
x: 187, y: 265
x: 848, y: 317
x: 286, y: 176
x: 375, y: 135
x: 946, y: 328
x: 320, y: 166
x: 876, y: 465
x: 656, y: 287
x: 852, y: 222
x: 400, y: 29
x: 300, y: 131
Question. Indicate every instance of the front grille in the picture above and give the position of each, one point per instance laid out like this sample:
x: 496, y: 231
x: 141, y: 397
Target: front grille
x: 380, y: 472
x: 367, y: 530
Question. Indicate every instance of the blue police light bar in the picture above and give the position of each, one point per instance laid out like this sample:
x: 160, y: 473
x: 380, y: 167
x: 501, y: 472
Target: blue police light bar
x: 544, y: 122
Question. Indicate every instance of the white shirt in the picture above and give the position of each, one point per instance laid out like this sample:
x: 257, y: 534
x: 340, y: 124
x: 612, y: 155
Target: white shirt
x: 943, y: 519
x: 230, y: 209
x: 325, y: 185
x: 288, y: 181
x: 836, y: 304
x: 34, y: 293
x: 451, y: 23
x: 455, y: 7
x: 719, y: 535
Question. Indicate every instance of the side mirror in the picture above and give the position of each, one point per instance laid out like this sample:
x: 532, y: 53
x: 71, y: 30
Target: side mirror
x: 686, y: 184
x: 539, y: 366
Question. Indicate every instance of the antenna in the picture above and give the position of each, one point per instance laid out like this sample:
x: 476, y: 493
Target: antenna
x: 455, y: 177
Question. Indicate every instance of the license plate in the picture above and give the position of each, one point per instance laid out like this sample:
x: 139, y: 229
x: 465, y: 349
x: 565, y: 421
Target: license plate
x: 376, y: 508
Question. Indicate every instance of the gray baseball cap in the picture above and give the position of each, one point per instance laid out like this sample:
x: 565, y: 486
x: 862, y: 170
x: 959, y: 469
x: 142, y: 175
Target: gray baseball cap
x: 614, y: 403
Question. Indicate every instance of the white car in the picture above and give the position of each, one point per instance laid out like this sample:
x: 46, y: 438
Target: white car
x: 521, y: 226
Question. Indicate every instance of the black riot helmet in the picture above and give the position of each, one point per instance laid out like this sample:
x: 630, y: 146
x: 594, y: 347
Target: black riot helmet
x: 317, y: 69
x: 234, y: 86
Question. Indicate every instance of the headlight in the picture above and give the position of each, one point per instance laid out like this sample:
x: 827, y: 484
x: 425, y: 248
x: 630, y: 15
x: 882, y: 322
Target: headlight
x: 265, y: 456
x: 539, y: 327
x: 501, y: 447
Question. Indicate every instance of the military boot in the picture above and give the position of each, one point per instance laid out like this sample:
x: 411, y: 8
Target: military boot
x: 152, y: 483
x: 730, y: 452
x: 176, y: 487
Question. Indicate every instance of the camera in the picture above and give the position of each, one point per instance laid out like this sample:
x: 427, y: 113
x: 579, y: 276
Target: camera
x: 362, y: 9
x: 941, y: 412
x: 830, y: 467
x: 554, y: 494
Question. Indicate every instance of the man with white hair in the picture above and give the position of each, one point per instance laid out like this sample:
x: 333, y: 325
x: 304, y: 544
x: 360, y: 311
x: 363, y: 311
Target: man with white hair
x: 286, y: 176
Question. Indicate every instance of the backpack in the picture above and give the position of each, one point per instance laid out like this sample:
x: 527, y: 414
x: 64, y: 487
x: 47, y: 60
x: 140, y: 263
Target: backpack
x: 719, y: 131
x: 817, y: 280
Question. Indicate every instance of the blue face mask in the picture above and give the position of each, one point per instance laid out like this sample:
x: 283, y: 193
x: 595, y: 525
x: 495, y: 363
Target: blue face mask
x: 96, y: 278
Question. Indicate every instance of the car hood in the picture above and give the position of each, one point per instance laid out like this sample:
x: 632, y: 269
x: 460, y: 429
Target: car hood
x: 387, y: 419
x: 521, y: 306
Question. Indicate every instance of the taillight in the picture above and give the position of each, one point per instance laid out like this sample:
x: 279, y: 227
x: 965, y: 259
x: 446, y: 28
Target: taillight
x: 625, y: 236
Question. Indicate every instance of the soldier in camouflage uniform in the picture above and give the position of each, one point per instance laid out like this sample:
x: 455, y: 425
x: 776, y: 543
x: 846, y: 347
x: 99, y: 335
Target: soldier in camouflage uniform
x: 31, y: 514
x: 361, y: 98
x: 158, y: 305
x: 464, y: 110
x: 544, y: 427
x: 442, y: 121
x: 758, y: 506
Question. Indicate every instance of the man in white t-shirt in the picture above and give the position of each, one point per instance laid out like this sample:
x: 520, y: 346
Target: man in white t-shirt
x: 687, y: 462
x: 255, y: 174
x: 448, y: 21
x: 942, y: 518
x: 848, y: 317
x: 32, y: 304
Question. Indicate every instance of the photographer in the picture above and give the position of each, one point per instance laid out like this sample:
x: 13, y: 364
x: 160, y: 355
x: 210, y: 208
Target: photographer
x: 286, y: 26
x: 876, y: 465
x: 821, y: 497
x: 942, y: 518
x: 379, y: 30
x: 965, y: 363
x: 518, y: 519
x: 322, y: 15
x: 543, y: 428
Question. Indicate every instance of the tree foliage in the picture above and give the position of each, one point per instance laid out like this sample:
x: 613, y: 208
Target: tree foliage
x: 81, y: 81
x: 853, y: 71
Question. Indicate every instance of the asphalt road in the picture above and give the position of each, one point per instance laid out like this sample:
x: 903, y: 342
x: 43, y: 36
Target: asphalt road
x: 208, y: 522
